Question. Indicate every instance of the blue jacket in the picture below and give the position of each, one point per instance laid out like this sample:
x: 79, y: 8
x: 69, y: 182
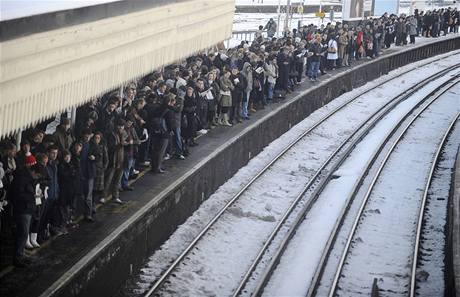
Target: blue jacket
x: 53, y: 191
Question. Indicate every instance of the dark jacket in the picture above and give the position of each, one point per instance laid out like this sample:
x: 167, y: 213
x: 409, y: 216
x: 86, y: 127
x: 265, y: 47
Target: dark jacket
x: 22, y: 192
x: 88, y: 166
x: 66, y: 176
x: 63, y: 138
x: 52, y: 169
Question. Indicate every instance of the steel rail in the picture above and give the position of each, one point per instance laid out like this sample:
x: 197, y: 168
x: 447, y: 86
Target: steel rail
x: 333, y: 236
x: 423, y: 205
x: 275, y: 258
x: 370, y: 189
x: 205, y: 229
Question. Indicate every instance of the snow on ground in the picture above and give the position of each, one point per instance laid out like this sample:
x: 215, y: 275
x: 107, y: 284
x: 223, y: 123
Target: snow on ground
x: 430, y: 274
x: 383, y: 243
x: 299, y: 263
x: 258, y: 210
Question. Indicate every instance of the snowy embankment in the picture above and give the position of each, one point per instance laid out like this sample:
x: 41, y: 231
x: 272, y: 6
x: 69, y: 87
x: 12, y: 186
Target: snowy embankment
x: 215, y: 267
x: 300, y: 261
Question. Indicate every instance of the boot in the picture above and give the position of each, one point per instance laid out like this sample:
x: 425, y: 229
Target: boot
x: 251, y: 108
x: 33, y: 240
x: 225, y: 121
x: 28, y: 244
x: 220, y: 121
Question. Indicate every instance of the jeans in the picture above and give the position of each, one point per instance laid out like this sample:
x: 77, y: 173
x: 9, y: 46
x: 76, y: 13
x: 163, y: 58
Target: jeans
x: 313, y: 71
x: 127, y: 171
x: 90, y: 206
x: 245, y: 103
x: 270, y: 88
x: 177, y: 138
x: 22, y: 232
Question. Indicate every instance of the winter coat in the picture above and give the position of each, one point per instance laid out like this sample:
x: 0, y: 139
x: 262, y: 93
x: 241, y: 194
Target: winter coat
x: 66, y: 176
x: 271, y: 28
x: 63, y: 138
x: 102, y: 161
x: 413, y: 26
x: 226, y: 88
x: 343, y: 42
x: 22, y: 193
x: 53, y: 190
x: 88, y: 166
x: 240, y: 84
x: 247, y: 73
x: 190, y: 105
x: 177, y: 109
x: 271, y: 72
x: 115, y: 150
x: 332, y: 55
x: 77, y: 184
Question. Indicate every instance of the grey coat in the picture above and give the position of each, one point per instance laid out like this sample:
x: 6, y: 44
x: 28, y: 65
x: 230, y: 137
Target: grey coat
x: 413, y: 26
x: 226, y: 86
x: 248, y: 74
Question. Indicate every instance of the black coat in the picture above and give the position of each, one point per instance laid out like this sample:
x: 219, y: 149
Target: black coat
x: 66, y: 176
x: 22, y: 192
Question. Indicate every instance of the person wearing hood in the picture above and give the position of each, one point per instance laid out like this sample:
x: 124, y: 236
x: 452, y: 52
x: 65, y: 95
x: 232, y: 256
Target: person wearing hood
x: 247, y: 73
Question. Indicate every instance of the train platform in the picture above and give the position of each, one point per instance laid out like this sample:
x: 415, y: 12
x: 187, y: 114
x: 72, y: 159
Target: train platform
x: 72, y: 264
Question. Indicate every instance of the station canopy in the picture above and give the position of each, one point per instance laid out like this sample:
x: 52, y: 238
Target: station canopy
x: 55, y: 60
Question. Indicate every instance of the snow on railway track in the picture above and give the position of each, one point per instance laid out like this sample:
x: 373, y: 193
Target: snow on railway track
x: 214, y: 264
x: 383, y: 242
x: 294, y: 277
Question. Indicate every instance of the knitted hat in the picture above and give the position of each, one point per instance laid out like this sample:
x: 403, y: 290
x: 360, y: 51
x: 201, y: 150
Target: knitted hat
x: 30, y: 160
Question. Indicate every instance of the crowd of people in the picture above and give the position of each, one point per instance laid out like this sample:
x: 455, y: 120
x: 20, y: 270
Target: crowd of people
x: 159, y: 117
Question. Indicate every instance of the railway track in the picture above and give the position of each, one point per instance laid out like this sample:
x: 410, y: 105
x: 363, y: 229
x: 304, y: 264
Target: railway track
x: 427, y: 195
x: 273, y: 258
x: 360, y: 219
x: 314, y: 180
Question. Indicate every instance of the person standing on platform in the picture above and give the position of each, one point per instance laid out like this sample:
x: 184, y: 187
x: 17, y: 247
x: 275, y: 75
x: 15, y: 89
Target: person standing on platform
x: 25, y: 193
x: 115, y: 146
x: 271, y: 28
x: 88, y: 171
